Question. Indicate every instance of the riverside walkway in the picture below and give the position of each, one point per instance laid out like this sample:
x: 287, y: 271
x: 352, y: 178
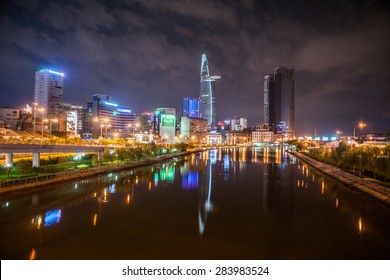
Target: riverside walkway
x: 376, y: 190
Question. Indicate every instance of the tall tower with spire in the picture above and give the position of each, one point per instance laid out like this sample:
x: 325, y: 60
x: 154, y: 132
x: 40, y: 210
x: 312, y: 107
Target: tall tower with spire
x: 207, y: 94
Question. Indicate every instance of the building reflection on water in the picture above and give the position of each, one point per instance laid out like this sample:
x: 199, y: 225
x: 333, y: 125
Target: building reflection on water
x: 199, y: 172
x: 281, y: 182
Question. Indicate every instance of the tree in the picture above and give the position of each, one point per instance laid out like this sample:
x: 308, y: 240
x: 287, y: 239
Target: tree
x: 143, y: 121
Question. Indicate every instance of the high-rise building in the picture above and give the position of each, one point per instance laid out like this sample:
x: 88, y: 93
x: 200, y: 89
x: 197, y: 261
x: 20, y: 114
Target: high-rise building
x: 48, y: 91
x: 238, y: 124
x: 164, y: 123
x: 279, y: 107
x: 190, y: 107
x: 207, y: 94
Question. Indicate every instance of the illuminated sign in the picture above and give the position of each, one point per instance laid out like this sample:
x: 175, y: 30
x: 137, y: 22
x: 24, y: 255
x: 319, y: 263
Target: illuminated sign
x: 111, y: 104
x: 57, y: 73
x: 168, y: 120
x: 71, y: 121
x: 123, y: 110
x: 50, y: 71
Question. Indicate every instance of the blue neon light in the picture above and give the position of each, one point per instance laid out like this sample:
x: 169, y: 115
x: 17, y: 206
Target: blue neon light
x: 111, y: 104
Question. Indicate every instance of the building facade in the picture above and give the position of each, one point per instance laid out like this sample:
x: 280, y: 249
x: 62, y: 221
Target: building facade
x: 164, y: 124
x: 261, y: 136
x: 279, y: 104
x: 207, y: 94
x: 193, y: 129
x: 9, y: 117
x: 214, y: 138
x: 109, y: 118
x: 238, y: 138
x: 191, y: 107
x: 238, y: 124
x: 48, y: 91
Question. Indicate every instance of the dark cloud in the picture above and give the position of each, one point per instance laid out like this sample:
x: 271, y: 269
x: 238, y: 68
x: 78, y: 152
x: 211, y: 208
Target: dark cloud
x: 147, y: 54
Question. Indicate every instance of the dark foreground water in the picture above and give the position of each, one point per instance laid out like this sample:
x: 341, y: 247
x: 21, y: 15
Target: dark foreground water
x: 242, y: 203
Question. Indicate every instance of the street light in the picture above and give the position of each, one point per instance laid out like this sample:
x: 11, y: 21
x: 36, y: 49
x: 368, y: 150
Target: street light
x: 361, y: 125
x: 42, y: 110
x: 35, y: 104
x: 105, y: 124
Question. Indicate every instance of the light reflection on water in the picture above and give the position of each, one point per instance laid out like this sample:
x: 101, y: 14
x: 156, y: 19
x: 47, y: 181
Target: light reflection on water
x: 250, y: 203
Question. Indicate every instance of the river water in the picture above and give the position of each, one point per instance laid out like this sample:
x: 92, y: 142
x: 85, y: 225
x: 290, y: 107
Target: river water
x: 242, y: 203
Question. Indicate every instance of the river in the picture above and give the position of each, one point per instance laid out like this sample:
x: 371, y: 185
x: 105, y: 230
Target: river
x: 242, y: 203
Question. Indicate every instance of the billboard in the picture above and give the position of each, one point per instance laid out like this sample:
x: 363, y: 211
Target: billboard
x: 168, y: 120
x: 71, y: 122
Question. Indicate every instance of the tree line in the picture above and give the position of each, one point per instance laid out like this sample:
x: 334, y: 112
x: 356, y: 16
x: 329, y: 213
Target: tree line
x: 361, y: 160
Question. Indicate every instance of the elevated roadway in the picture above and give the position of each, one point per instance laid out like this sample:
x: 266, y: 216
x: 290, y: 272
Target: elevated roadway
x: 10, y: 149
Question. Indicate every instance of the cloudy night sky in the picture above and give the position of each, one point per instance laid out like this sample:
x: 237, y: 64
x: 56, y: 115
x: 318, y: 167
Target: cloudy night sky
x: 147, y: 54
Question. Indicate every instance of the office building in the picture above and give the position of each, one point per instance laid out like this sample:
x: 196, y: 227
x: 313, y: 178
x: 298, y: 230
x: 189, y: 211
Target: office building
x: 207, y: 94
x: 279, y: 107
x: 48, y: 91
x: 193, y: 129
x: 191, y: 107
x: 108, y: 117
x: 164, y: 123
x: 238, y: 124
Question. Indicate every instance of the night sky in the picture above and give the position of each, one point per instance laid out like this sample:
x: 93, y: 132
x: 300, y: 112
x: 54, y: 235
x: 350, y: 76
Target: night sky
x: 147, y: 54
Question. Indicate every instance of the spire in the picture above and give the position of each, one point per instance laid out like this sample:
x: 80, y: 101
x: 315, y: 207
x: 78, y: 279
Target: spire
x: 204, y: 69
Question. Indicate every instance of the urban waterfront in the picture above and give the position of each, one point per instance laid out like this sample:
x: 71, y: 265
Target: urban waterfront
x: 239, y: 203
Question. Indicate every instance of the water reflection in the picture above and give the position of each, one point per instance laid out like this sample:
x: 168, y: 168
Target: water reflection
x: 50, y: 218
x: 33, y: 254
x: 246, y: 195
x: 205, y: 204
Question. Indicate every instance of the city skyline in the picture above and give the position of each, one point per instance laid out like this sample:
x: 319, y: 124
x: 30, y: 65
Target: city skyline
x: 146, y: 55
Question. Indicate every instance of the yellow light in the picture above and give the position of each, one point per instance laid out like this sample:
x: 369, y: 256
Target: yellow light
x: 150, y: 186
x: 360, y: 225
x: 94, y: 219
x: 337, y: 202
x: 323, y: 187
x: 39, y: 222
x: 128, y: 199
x: 105, y: 196
x: 33, y: 254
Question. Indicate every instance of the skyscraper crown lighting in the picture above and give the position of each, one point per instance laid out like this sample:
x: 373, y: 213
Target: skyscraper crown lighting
x: 207, y: 93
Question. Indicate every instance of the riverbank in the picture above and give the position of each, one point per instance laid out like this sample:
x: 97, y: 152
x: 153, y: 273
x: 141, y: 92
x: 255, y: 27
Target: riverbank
x: 48, y: 181
x: 375, y: 190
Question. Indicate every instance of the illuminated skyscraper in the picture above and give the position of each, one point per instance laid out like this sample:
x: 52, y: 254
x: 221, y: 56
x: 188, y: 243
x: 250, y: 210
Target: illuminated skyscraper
x: 207, y: 94
x: 279, y: 107
x: 190, y: 107
x: 48, y: 91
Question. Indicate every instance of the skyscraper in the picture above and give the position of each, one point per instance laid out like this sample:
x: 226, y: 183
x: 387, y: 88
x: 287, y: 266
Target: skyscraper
x: 279, y: 107
x: 48, y: 91
x: 207, y: 94
x: 191, y: 107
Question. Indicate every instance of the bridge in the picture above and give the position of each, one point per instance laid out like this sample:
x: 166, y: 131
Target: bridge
x: 10, y: 149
